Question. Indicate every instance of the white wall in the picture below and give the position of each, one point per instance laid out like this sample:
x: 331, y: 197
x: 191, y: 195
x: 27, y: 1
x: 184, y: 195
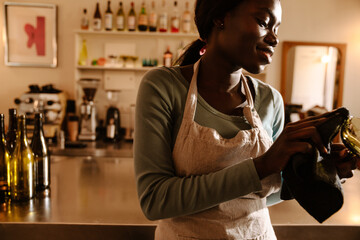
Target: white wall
x: 305, y: 20
x: 324, y: 21
x: 15, y: 80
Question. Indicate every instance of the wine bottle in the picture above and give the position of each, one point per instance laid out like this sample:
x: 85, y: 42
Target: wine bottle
x: 83, y: 56
x: 12, y: 129
x: 163, y: 18
x: 4, y: 161
x: 108, y: 18
x: 22, y: 166
x: 175, y: 19
x: 186, y: 19
x: 168, y: 57
x: 131, y: 21
x: 120, y: 18
x: 41, y: 155
x: 143, y: 19
x: 153, y: 18
x: 97, y: 18
x: 85, y: 20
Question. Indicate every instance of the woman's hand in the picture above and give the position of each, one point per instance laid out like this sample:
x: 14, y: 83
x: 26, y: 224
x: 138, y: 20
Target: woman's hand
x: 345, y: 161
x: 295, y: 138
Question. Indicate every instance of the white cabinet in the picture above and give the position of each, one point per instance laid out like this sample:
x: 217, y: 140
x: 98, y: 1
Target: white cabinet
x: 120, y: 76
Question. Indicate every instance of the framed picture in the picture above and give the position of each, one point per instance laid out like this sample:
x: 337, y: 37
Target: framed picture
x: 30, y: 34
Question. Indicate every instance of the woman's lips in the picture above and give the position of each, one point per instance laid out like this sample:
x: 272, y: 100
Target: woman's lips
x: 265, y: 54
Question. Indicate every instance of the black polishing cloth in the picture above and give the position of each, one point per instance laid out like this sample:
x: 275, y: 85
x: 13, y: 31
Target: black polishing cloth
x: 312, y: 179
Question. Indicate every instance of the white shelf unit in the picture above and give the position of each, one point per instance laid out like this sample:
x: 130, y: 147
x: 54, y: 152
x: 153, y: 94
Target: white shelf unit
x: 140, y: 69
x: 147, y: 45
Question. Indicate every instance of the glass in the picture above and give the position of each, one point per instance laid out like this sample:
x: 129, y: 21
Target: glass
x: 41, y: 155
x: 22, y: 166
x: 350, y: 135
x: 4, y: 161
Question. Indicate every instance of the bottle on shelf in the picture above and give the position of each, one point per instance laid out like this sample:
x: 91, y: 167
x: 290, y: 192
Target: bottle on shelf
x: 168, y: 57
x: 84, y: 20
x: 186, y: 19
x: 175, y: 19
x: 153, y: 18
x: 143, y: 19
x: 120, y: 18
x: 163, y: 18
x: 4, y: 161
x: 108, y: 17
x: 12, y: 131
x: 83, y: 56
x: 22, y: 165
x: 97, y: 18
x: 41, y: 155
x: 131, y: 21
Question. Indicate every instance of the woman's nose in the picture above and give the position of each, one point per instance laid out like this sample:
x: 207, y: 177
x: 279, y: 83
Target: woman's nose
x: 271, y: 39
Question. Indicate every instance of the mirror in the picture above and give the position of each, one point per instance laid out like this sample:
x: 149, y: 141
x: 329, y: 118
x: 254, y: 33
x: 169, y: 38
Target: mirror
x: 312, y: 74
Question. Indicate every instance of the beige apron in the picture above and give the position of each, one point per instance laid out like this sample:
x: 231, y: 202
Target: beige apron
x: 201, y: 150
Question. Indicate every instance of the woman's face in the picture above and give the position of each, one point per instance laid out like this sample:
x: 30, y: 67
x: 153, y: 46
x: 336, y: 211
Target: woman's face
x: 249, y: 35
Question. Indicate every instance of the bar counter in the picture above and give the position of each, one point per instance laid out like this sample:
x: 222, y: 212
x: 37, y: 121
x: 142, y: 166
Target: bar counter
x: 93, y: 189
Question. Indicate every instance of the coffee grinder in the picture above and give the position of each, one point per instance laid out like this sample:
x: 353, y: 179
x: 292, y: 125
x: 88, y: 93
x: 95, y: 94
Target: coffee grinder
x: 88, y: 110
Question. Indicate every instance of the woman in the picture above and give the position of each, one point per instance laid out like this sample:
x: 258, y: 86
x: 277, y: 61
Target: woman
x: 205, y: 160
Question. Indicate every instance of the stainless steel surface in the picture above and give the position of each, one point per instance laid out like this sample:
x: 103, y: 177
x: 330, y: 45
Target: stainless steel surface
x: 16, y: 231
x: 96, y: 149
x: 83, y: 190
x: 146, y: 232
x: 316, y: 232
x: 290, y: 212
x: 97, y: 195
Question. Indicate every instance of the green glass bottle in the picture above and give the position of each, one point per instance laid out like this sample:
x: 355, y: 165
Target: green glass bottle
x: 22, y: 166
x: 120, y: 18
x: 4, y: 161
x: 12, y: 129
x: 41, y: 155
x: 143, y: 19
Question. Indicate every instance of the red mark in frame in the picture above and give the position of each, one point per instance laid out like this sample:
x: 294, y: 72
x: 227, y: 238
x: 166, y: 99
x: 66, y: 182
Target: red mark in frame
x: 36, y: 35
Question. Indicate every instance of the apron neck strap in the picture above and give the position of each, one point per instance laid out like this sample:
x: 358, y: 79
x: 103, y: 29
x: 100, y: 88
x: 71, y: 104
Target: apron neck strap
x: 191, y: 100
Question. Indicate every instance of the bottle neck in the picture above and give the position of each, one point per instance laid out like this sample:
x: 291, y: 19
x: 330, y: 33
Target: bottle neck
x: 12, y: 123
x: 21, y: 129
x: 38, y: 130
x: 108, y: 10
x: 2, y: 128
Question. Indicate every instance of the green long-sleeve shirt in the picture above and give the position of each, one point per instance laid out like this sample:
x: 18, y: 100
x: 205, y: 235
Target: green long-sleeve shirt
x: 159, y: 111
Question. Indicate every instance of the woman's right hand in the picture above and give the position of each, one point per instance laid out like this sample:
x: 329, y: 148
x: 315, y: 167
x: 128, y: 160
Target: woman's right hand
x: 295, y: 138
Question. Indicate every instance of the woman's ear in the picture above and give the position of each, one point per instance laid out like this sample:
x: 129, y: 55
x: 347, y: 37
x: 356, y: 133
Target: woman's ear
x: 219, y: 24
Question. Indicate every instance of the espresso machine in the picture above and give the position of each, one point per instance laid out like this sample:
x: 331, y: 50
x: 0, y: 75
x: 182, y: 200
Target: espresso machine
x: 88, y: 110
x: 47, y: 100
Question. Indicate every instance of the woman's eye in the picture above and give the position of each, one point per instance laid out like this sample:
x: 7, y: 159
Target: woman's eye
x: 262, y: 23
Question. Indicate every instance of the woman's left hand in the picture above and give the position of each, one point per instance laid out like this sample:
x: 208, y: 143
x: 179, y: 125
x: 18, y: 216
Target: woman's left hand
x: 345, y: 161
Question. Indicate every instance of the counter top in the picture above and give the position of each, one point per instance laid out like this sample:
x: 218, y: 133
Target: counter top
x: 84, y: 190
x: 90, y: 191
x: 102, y: 190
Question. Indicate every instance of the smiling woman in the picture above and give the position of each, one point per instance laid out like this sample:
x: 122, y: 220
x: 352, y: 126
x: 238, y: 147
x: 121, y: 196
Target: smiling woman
x: 209, y: 145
